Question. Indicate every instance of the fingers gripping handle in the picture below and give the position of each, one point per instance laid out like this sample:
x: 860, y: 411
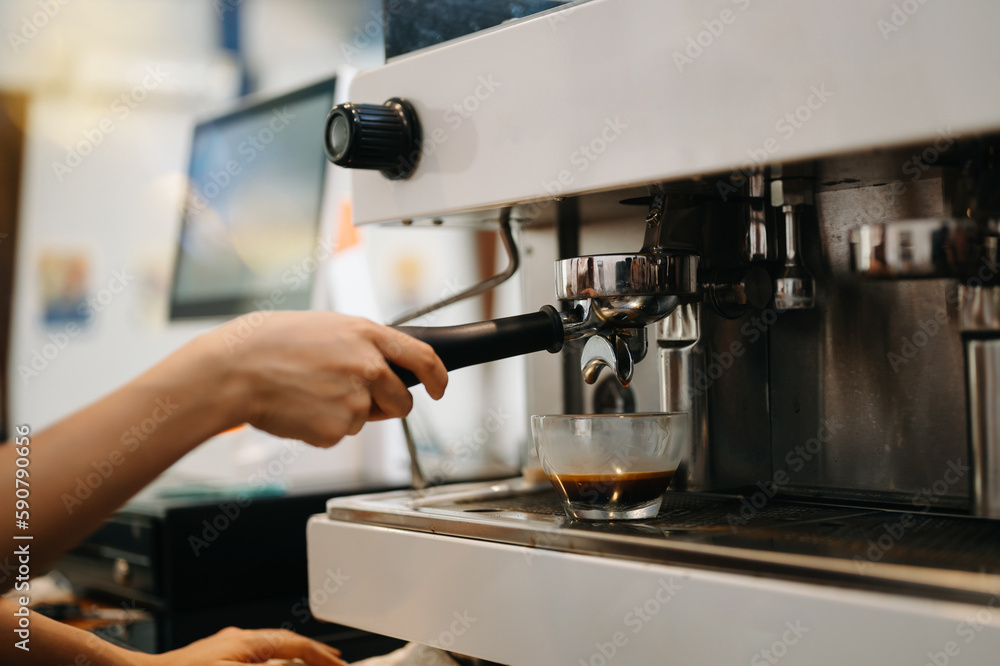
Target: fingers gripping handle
x: 485, y: 341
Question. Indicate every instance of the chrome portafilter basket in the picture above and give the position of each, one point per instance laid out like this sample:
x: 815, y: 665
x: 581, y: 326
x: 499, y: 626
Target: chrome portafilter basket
x: 620, y: 294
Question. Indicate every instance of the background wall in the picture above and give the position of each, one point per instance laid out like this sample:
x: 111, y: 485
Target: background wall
x: 114, y: 88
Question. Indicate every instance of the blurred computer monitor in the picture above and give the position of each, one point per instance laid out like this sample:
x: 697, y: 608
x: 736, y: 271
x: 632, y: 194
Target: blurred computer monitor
x: 255, y: 186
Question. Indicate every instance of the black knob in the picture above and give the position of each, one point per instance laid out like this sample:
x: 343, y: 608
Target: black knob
x: 370, y: 136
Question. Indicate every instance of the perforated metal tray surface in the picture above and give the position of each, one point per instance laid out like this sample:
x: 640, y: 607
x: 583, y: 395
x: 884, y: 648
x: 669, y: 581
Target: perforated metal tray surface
x: 948, y: 557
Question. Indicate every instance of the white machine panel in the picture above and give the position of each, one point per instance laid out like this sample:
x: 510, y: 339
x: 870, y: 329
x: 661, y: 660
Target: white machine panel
x: 533, y: 607
x: 610, y: 93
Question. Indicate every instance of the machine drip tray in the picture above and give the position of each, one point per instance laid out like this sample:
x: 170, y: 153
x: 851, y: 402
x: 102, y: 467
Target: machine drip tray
x: 946, y: 557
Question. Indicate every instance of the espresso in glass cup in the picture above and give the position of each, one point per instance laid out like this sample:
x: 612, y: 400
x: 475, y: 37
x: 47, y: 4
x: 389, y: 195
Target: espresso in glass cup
x: 610, y: 466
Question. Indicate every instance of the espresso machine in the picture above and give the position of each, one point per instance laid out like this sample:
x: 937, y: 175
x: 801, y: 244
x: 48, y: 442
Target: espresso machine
x: 781, y: 221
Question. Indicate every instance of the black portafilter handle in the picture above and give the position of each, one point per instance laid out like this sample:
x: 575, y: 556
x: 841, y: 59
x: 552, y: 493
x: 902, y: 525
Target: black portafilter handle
x: 485, y: 341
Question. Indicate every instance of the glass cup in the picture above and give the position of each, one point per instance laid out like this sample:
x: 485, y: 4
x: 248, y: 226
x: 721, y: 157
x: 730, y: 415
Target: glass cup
x: 610, y: 466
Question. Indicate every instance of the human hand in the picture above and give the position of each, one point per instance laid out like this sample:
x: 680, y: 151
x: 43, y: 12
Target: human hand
x: 243, y: 646
x: 318, y: 376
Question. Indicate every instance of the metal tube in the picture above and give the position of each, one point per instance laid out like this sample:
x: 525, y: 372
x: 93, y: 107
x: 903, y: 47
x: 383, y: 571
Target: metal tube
x: 982, y: 358
x: 513, y: 261
x: 681, y: 356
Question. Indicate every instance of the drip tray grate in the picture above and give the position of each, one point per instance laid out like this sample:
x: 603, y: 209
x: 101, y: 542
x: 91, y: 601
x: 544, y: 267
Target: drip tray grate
x: 945, y: 556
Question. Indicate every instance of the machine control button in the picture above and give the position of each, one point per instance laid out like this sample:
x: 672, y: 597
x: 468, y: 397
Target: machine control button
x: 370, y: 136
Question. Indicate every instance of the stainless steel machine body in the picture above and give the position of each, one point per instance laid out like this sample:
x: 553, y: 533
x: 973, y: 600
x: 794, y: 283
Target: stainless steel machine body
x: 861, y: 397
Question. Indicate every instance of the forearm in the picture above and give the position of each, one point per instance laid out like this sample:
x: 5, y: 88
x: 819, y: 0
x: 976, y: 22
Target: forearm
x: 315, y: 376
x: 50, y: 643
x: 83, y: 468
